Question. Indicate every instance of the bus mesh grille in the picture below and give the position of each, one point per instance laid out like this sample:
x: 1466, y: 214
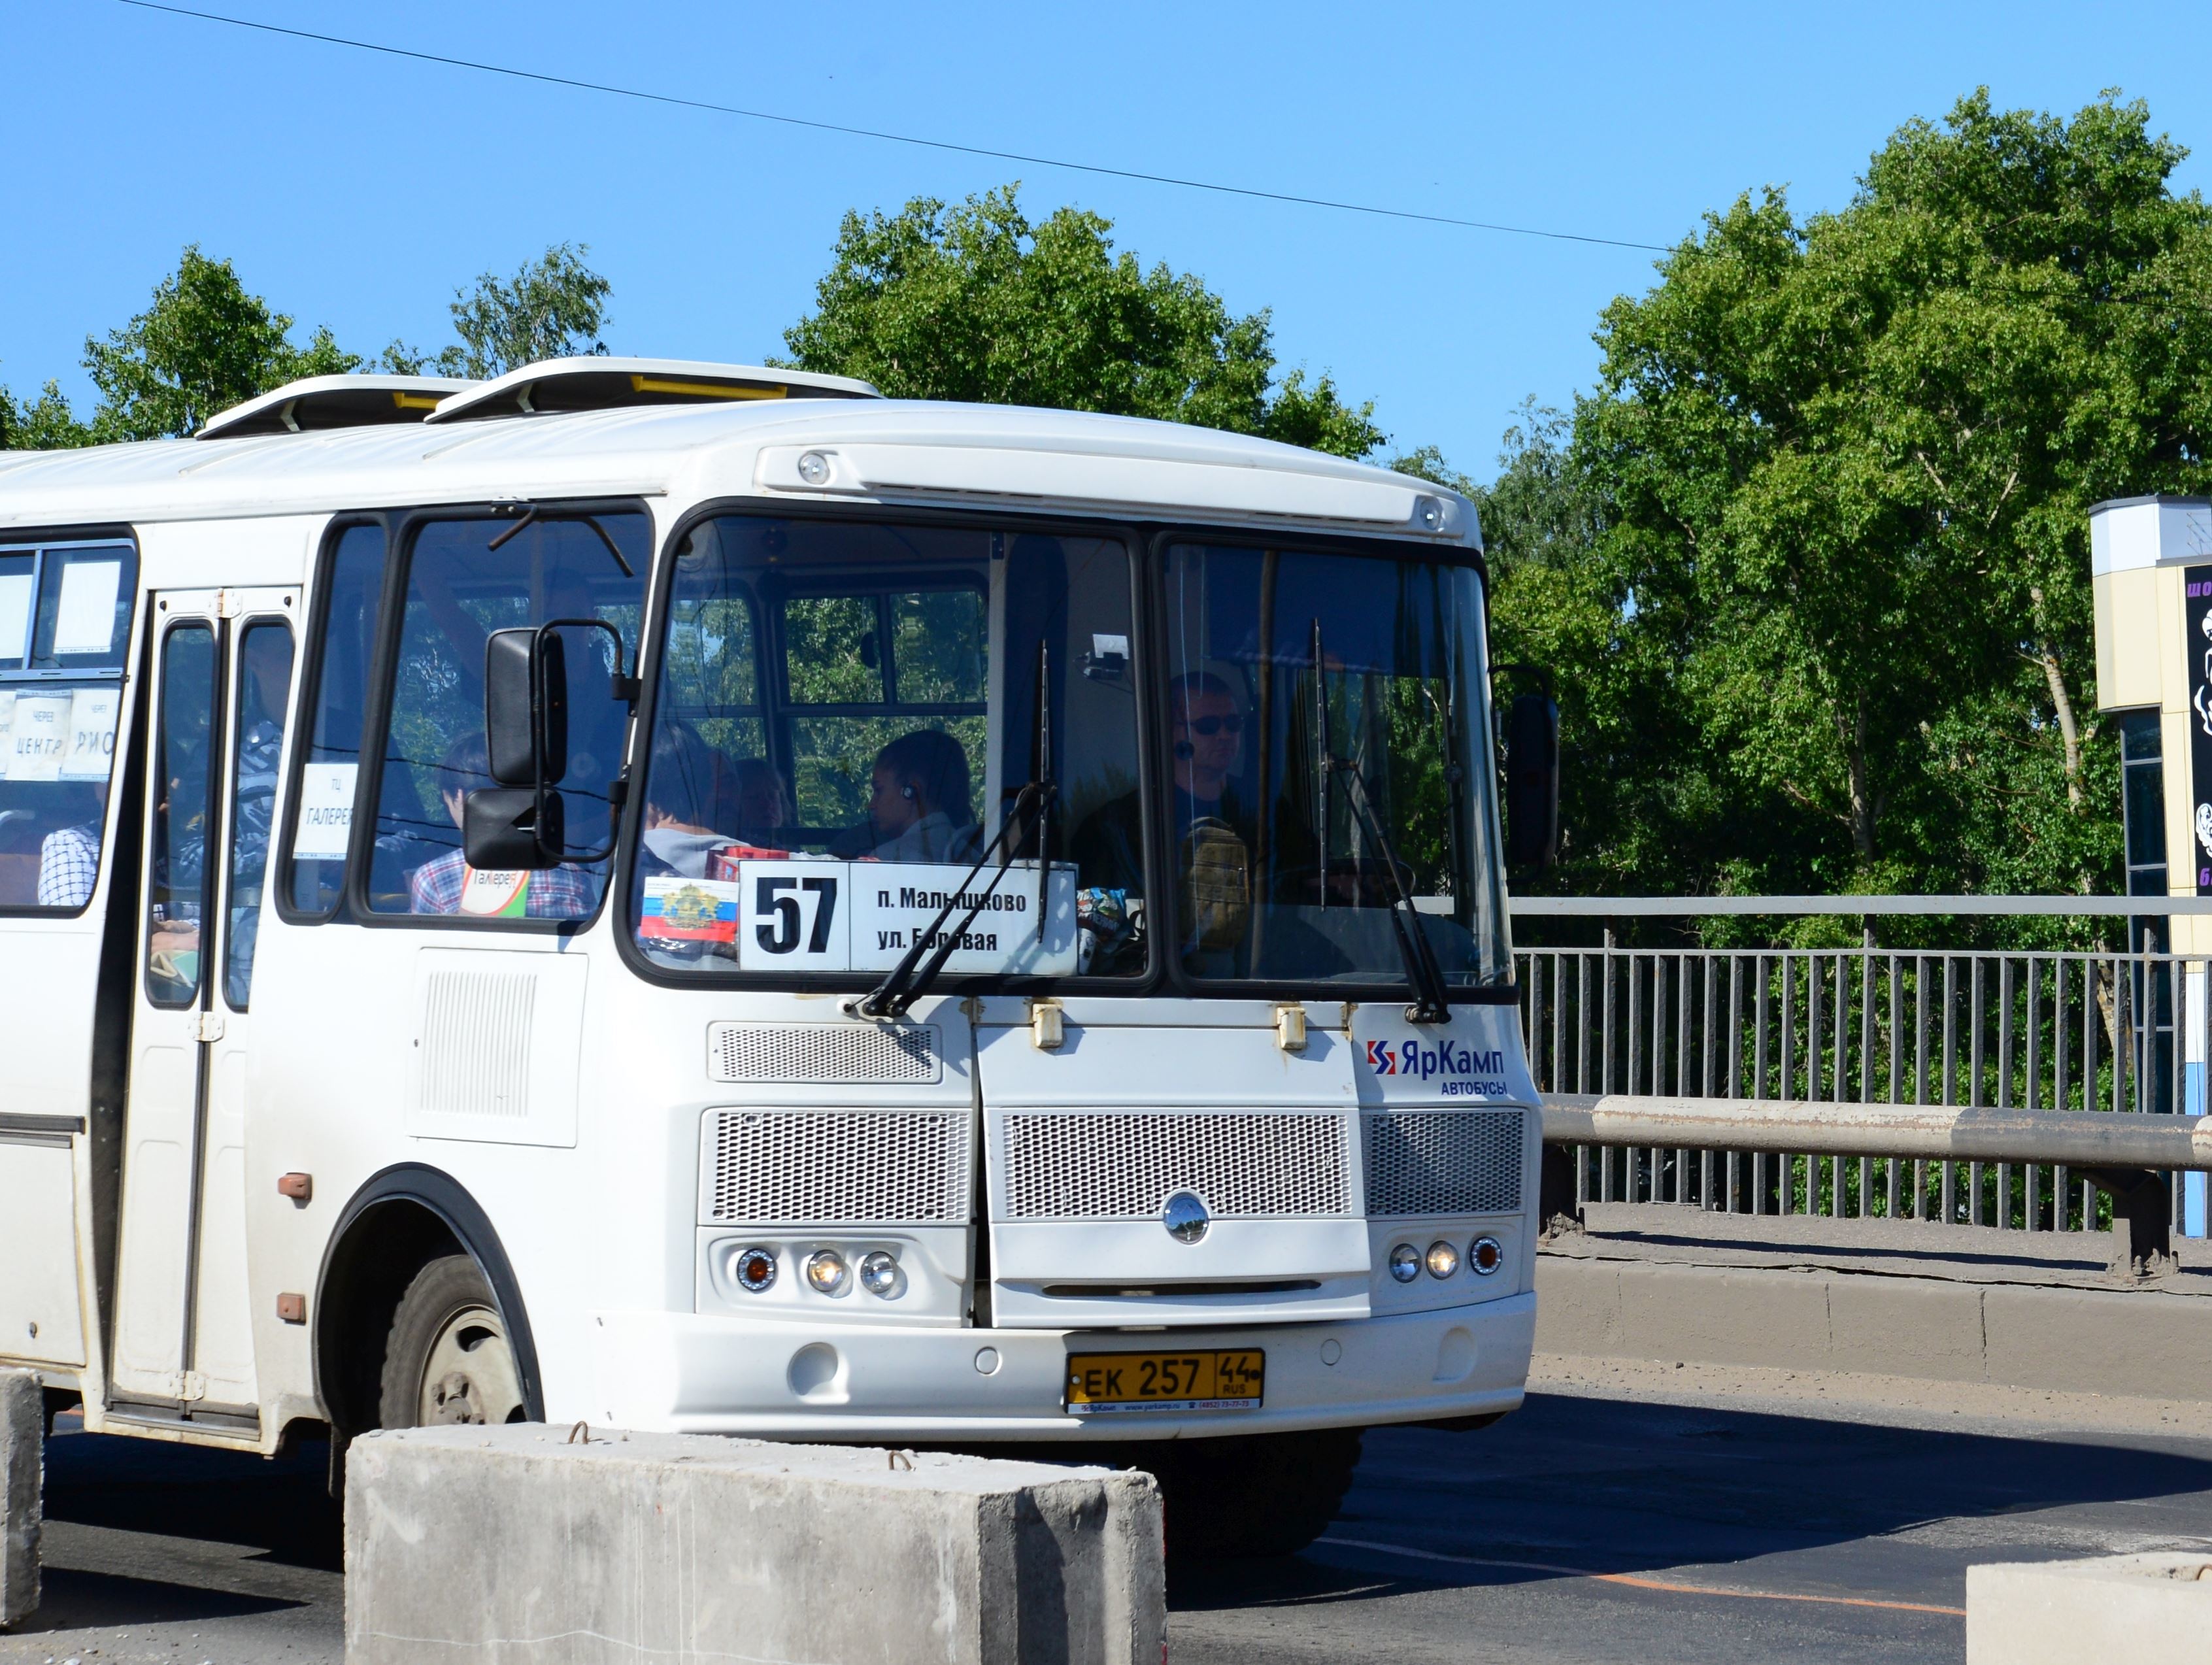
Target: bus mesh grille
x: 839, y: 1166
x: 1102, y: 1165
x: 1443, y: 1162
x: 821, y: 1052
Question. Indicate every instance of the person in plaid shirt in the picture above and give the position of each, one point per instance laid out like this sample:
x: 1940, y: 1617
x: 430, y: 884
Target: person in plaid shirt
x: 68, y: 865
x: 564, y: 892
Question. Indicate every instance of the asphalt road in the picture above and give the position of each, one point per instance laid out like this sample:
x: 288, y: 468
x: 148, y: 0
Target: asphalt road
x: 1579, y: 1529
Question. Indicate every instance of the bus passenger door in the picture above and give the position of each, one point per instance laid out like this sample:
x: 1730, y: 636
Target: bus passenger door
x: 222, y: 670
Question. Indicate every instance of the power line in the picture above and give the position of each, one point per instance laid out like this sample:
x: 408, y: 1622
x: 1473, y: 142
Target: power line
x: 892, y: 139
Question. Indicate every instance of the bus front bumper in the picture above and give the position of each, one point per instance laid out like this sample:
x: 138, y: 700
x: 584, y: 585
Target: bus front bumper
x: 699, y: 1374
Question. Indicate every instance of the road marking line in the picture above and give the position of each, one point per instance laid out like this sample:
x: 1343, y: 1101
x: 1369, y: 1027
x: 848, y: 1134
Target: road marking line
x: 1638, y: 1581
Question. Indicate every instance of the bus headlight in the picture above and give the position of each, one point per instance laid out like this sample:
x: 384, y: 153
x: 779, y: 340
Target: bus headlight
x: 1442, y: 1259
x: 753, y: 1268
x: 825, y: 1270
x: 1487, y: 1255
x: 1405, y: 1263
x: 879, y: 1274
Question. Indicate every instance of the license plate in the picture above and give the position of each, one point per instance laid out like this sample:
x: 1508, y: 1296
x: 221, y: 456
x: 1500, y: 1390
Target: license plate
x: 1119, y: 1384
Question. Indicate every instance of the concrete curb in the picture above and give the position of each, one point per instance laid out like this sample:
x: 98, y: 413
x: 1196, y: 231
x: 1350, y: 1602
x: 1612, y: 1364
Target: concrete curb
x: 2137, y: 1342
x: 2156, y: 1607
x: 510, y: 1544
x: 22, y: 1464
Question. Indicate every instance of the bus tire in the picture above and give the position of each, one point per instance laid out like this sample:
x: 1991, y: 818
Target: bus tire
x: 449, y: 1359
x: 1251, y: 1495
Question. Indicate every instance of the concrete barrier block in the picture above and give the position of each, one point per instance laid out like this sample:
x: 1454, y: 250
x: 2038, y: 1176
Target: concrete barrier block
x: 23, y: 1465
x: 511, y: 1545
x: 1717, y: 1317
x: 2143, y: 1342
x: 1913, y: 1327
x: 2118, y: 1606
x: 1578, y: 1305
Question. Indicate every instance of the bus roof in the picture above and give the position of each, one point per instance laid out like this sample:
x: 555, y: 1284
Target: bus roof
x: 853, y: 450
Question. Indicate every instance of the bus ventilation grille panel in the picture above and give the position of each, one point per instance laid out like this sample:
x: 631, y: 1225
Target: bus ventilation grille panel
x: 821, y: 1052
x: 1443, y: 1162
x: 838, y: 1167
x: 1097, y: 1165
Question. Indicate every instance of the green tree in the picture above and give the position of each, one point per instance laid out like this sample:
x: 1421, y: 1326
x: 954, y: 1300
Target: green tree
x: 45, y: 424
x: 203, y: 345
x: 976, y: 302
x: 1843, y: 468
x: 554, y: 307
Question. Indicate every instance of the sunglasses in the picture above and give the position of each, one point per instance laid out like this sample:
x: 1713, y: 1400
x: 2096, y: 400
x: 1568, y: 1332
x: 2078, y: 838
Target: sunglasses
x: 1207, y: 727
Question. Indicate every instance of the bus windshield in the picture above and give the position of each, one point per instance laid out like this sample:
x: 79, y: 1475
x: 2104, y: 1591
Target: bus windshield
x: 1327, y: 728
x: 849, y: 712
x: 846, y: 715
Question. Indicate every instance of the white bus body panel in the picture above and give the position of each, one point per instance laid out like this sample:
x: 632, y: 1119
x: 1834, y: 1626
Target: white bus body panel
x: 595, y: 1184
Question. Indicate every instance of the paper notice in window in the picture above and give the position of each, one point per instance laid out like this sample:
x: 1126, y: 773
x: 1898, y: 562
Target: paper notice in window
x: 91, y: 734
x: 85, y: 622
x: 325, y: 811
x: 39, y: 739
x: 7, y: 730
x: 895, y: 902
x: 15, y: 614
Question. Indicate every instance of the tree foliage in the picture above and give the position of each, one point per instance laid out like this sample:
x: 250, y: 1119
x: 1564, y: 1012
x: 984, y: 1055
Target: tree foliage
x: 977, y: 302
x: 203, y: 345
x: 45, y: 424
x: 554, y: 307
x: 1814, y: 563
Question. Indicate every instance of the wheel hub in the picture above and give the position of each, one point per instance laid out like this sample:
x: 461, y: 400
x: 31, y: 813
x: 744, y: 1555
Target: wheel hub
x: 471, y: 1377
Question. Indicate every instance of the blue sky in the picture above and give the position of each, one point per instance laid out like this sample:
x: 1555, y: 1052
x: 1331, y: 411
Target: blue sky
x: 357, y: 191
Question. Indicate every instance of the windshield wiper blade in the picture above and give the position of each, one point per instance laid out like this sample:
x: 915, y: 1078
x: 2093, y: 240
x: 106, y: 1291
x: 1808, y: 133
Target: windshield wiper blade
x: 1423, y: 975
x: 904, y: 984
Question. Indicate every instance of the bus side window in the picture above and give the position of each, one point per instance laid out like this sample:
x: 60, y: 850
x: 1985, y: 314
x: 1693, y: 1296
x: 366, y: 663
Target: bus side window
x: 185, y: 770
x: 337, y: 693
x: 64, y: 626
x: 265, y: 682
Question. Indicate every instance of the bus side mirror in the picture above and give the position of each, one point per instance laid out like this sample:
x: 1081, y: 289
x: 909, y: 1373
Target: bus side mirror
x: 509, y: 829
x: 526, y: 706
x: 521, y: 823
x: 1532, y: 782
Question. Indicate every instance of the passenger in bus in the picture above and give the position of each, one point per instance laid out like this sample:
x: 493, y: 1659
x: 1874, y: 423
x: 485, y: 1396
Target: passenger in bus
x: 763, y: 811
x: 437, y: 886
x: 69, y: 857
x: 680, y: 784
x: 918, y: 806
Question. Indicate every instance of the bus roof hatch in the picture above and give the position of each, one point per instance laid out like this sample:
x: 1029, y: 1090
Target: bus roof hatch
x: 563, y: 384
x: 319, y: 403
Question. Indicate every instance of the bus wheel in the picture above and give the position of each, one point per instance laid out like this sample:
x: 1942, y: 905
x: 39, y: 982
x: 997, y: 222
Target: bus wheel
x: 1250, y: 1495
x: 449, y: 1359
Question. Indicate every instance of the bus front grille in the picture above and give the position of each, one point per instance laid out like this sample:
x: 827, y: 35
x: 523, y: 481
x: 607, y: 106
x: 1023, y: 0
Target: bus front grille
x: 837, y: 1168
x: 823, y: 1052
x: 1099, y: 1166
x: 1443, y: 1162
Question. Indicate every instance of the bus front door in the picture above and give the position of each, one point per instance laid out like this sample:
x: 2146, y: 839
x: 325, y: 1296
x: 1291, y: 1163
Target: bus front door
x: 184, y: 1341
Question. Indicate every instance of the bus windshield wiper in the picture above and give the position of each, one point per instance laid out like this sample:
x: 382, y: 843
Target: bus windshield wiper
x: 1423, y: 975
x: 904, y: 984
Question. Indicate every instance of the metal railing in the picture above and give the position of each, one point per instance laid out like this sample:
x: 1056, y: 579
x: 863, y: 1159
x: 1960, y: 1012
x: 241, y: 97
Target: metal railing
x: 2103, y: 1028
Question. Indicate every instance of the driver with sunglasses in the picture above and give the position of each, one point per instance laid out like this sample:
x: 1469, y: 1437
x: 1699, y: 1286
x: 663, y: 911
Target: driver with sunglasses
x: 1207, y: 828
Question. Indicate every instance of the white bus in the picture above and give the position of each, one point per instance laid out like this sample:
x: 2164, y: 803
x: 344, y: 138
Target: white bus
x: 694, y: 897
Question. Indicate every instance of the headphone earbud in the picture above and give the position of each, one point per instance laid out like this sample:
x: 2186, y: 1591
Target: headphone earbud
x: 906, y: 792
